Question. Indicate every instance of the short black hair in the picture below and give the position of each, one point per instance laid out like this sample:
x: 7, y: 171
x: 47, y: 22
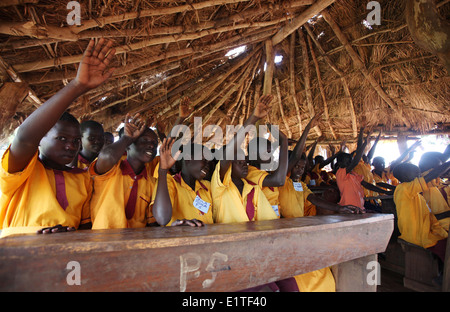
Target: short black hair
x: 90, y: 124
x: 69, y: 117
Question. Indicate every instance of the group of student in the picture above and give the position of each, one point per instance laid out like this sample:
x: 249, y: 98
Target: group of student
x: 57, y: 176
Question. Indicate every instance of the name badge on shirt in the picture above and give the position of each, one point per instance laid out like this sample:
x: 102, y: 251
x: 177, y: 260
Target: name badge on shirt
x: 298, y: 186
x: 275, y: 208
x: 201, y: 205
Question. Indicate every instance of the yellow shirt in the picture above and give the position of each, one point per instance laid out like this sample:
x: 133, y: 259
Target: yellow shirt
x: 293, y: 199
x: 112, y: 192
x: 257, y: 176
x: 416, y: 223
x: 185, y: 200
x: 294, y: 203
x: 28, y: 201
x: 229, y: 205
x: 365, y: 170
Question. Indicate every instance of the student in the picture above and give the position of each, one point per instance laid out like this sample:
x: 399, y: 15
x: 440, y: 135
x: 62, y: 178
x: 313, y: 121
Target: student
x: 416, y: 223
x: 38, y: 189
x: 296, y: 197
x: 186, y: 197
x: 269, y: 181
x: 433, y: 196
x: 92, y: 140
x: 351, y: 184
x: 234, y: 198
x: 364, y: 169
x: 108, y: 138
x: 381, y: 174
x: 124, y: 185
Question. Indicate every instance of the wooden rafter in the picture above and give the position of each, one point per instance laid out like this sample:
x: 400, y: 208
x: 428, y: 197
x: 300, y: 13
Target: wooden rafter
x: 361, y: 67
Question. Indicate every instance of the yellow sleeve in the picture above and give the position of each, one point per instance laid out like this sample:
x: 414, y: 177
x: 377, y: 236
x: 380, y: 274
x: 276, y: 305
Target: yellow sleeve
x: 9, y: 182
x: 256, y: 175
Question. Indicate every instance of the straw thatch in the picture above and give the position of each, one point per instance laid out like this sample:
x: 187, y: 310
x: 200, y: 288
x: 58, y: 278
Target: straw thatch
x: 376, y: 75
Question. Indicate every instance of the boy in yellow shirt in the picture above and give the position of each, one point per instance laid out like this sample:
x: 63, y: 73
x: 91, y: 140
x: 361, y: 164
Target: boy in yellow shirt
x: 433, y: 196
x: 39, y: 190
x: 92, y: 140
x: 417, y: 224
x: 124, y: 185
x: 234, y: 198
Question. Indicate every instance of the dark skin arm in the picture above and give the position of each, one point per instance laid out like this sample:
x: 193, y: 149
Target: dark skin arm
x: 357, y: 158
x: 92, y: 72
x: 230, y: 150
x: 278, y: 177
x: 372, y: 149
x: 111, y: 154
x: 442, y: 215
x: 162, y: 208
x: 300, y: 146
x: 386, y: 185
x: 374, y: 188
x: 322, y: 203
x: 436, y: 172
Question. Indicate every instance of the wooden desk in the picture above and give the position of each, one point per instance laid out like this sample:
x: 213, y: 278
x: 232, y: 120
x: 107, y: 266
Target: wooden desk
x: 219, y: 257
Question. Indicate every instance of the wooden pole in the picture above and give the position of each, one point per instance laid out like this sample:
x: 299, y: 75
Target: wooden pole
x: 297, y: 22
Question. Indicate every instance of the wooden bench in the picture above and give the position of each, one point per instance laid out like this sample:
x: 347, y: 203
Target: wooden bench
x: 421, y: 267
x: 219, y: 257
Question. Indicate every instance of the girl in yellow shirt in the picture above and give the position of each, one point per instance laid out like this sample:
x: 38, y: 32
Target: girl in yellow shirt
x: 124, y: 185
x: 186, y: 197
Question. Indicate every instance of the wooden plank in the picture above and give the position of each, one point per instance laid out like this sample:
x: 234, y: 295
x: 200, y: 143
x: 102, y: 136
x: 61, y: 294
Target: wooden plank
x: 218, y: 257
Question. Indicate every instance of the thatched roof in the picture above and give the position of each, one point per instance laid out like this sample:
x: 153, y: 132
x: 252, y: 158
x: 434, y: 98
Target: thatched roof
x: 331, y: 59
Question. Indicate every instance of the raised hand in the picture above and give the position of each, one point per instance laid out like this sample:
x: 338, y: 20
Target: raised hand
x: 134, y: 126
x: 351, y: 209
x: 263, y: 106
x: 93, y: 69
x: 167, y: 160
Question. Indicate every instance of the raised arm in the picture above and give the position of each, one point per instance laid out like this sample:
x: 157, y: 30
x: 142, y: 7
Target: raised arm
x: 300, y: 146
x: 111, y: 154
x: 278, y: 177
x: 405, y: 153
x: 436, y: 172
x: 372, y: 149
x: 92, y: 72
x: 357, y: 158
x: 230, y: 150
x: 162, y: 208
x: 322, y: 203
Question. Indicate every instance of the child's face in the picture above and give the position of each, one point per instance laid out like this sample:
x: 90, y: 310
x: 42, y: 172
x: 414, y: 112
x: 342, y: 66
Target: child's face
x: 378, y: 164
x: 345, y: 161
x: 239, y: 169
x: 61, y: 144
x: 298, y: 169
x: 92, y: 140
x: 145, y: 147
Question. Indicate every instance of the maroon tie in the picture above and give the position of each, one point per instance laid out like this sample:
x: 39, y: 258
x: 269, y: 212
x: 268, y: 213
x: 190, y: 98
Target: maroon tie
x: 250, y: 208
x: 60, y: 185
x: 131, y: 204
